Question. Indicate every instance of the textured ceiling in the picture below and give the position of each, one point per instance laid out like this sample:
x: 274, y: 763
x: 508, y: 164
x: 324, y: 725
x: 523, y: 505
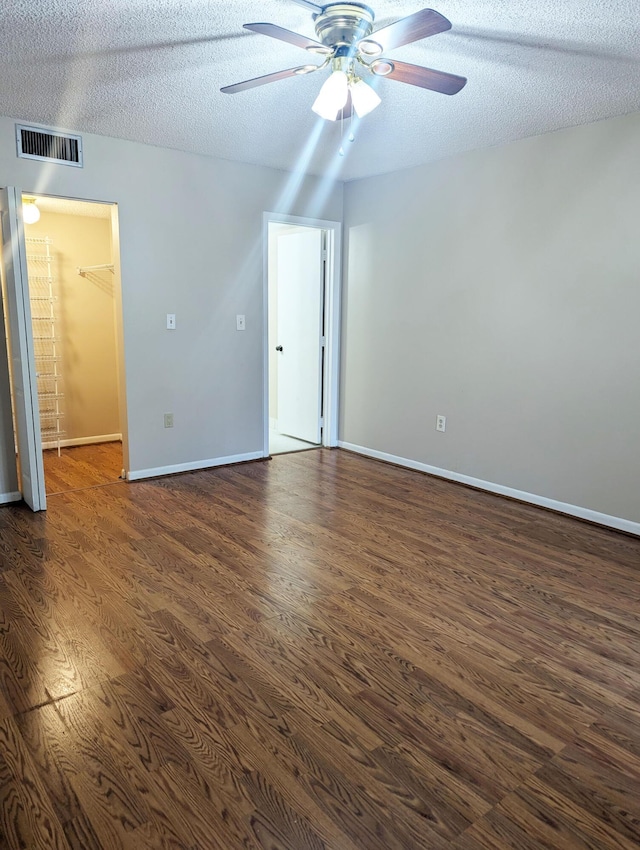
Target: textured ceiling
x: 151, y: 70
x: 66, y: 206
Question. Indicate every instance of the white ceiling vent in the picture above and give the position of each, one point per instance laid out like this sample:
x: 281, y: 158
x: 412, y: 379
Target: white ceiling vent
x: 49, y: 145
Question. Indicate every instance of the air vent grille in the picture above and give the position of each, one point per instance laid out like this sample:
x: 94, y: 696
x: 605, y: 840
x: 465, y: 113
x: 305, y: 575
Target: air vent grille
x: 49, y: 145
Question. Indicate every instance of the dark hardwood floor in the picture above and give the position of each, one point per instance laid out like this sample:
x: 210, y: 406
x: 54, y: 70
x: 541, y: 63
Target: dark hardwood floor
x: 320, y: 651
x: 82, y: 466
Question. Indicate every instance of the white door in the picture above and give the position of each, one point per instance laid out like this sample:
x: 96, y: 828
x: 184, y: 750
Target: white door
x: 21, y: 355
x: 299, y: 345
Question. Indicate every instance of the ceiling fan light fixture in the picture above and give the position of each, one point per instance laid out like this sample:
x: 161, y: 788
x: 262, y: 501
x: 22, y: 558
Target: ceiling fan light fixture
x: 368, y: 47
x: 364, y: 98
x: 348, y: 43
x: 332, y: 97
x: 30, y: 211
x: 382, y: 67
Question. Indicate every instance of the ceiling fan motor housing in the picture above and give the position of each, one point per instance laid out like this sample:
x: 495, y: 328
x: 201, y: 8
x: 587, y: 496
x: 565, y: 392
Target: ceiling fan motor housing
x: 344, y: 23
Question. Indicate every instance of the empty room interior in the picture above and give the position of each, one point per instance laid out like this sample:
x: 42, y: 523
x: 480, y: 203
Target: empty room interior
x: 319, y: 425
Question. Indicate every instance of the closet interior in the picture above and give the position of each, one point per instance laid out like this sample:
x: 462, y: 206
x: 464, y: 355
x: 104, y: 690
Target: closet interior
x: 74, y: 303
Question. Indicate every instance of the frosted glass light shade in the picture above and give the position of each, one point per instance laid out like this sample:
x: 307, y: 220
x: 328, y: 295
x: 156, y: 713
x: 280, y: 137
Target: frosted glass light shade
x: 364, y: 98
x: 30, y: 212
x: 332, y: 97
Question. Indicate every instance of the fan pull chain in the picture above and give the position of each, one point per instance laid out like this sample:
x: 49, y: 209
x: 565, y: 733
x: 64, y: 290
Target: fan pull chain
x: 341, y: 149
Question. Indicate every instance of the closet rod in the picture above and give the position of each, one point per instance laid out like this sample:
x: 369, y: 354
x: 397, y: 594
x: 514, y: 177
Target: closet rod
x: 104, y: 267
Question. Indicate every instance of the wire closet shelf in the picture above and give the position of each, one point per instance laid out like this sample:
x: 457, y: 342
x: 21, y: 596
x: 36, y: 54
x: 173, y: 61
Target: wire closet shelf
x: 43, y: 298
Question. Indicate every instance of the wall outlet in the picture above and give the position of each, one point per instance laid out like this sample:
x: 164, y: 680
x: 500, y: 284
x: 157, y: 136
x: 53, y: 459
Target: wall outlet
x: 171, y: 321
x: 168, y: 420
x: 441, y: 422
x: 240, y: 324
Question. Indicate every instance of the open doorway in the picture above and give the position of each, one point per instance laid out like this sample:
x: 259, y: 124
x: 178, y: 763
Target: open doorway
x: 302, y: 286
x: 74, y: 300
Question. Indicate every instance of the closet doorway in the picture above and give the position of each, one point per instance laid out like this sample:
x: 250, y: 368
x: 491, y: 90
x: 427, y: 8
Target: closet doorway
x: 302, y: 298
x: 74, y: 307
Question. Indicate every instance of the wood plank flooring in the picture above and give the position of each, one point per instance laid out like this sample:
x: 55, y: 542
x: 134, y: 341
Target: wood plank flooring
x: 320, y: 651
x: 82, y: 466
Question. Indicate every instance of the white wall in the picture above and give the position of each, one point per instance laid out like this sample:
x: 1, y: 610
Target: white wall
x: 190, y: 238
x: 502, y: 289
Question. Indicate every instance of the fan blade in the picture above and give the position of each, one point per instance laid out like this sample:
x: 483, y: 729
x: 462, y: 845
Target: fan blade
x: 288, y: 36
x: 268, y: 78
x: 426, y: 78
x: 412, y: 28
x: 308, y: 5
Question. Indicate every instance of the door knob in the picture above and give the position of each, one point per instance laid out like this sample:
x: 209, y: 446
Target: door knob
x: 278, y: 348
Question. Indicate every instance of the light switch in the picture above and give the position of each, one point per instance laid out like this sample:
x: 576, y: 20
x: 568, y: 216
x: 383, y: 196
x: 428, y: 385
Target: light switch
x: 171, y: 321
x: 239, y: 323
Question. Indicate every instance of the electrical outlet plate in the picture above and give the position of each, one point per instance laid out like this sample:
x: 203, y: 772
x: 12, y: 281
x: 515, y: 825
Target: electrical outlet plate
x: 441, y: 422
x: 168, y: 420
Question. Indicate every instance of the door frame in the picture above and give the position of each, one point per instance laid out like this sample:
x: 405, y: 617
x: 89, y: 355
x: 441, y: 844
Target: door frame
x: 19, y: 338
x: 120, y: 344
x: 118, y: 309
x: 332, y: 312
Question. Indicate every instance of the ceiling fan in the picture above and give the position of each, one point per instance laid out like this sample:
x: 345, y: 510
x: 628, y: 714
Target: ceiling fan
x: 348, y: 44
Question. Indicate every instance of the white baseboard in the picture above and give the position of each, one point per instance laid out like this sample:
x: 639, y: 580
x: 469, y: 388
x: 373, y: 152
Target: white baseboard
x: 191, y: 466
x: 83, y: 441
x: 6, y: 498
x: 561, y: 507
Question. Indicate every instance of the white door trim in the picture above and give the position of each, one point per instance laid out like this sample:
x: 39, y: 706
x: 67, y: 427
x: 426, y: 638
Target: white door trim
x: 120, y: 346
x: 119, y: 321
x: 22, y: 366
x: 333, y: 288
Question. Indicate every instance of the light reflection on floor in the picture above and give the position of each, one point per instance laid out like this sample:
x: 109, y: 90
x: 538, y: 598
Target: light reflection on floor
x: 281, y: 443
